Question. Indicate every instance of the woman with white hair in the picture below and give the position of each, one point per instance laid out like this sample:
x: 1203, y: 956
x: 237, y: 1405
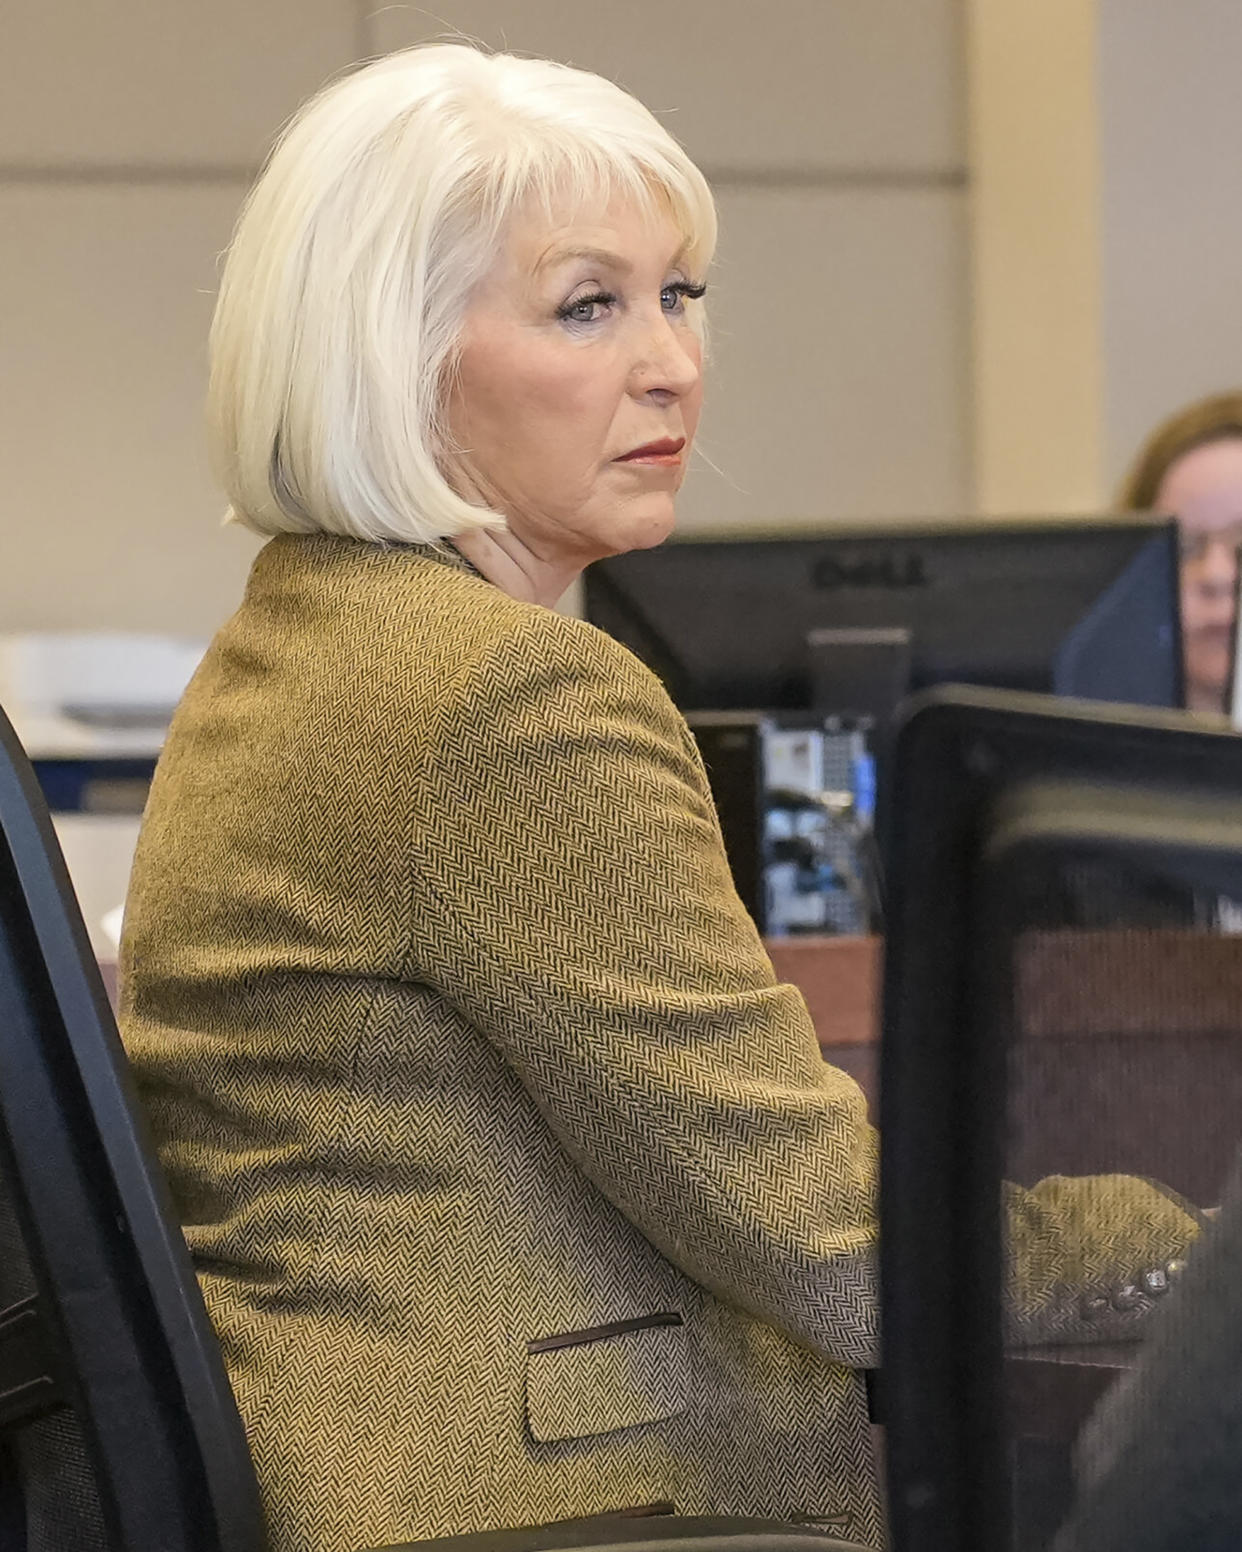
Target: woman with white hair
x: 516, y: 1184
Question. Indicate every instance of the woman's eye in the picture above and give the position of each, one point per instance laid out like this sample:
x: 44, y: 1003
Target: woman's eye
x: 587, y: 309
x: 673, y: 298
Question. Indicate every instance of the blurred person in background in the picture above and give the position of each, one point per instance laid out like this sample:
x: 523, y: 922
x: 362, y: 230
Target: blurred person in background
x: 1191, y: 468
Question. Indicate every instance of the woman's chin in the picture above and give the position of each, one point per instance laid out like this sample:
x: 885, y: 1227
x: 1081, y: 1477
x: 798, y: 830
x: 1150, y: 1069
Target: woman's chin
x: 650, y: 528
x: 636, y: 526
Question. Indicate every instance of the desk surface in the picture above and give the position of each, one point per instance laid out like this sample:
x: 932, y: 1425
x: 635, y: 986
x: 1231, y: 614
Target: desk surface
x: 1051, y: 1391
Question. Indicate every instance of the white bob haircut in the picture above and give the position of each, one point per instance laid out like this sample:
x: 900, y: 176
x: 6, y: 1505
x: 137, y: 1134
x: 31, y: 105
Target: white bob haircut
x: 346, y: 285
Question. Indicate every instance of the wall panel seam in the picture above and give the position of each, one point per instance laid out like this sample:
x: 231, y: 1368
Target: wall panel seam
x: 146, y: 174
x: 69, y: 175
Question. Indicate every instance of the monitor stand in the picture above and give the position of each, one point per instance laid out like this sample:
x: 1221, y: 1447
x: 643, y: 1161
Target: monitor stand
x: 859, y: 675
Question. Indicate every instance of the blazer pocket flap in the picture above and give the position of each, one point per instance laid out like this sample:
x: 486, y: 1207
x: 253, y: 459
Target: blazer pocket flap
x: 592, y: 1382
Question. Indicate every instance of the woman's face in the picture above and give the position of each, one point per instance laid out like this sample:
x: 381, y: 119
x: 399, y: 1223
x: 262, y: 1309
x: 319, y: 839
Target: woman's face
x: 579, y: 384
x: 1203, y: 489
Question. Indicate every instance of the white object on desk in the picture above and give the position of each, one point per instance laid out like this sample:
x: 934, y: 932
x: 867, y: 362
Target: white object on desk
x: 111, y: 928
x: 99, y: 853
x: 93, y: 695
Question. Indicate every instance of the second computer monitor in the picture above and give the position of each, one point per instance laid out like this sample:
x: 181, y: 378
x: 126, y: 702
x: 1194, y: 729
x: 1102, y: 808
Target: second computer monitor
x: 1075, y: 606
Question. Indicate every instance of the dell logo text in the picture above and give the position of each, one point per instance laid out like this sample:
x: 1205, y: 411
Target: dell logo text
x: 878, y: 569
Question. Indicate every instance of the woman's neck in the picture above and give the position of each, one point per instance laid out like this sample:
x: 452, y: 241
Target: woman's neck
x: 508, y: 564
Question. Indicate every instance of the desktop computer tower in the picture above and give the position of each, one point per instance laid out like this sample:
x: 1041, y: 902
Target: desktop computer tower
x: 731, y: 744
x: 795, y: 796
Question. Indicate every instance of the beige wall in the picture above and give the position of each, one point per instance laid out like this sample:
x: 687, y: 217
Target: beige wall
x: 1106, y: 162
x: 1170, y: 113
x: 109, y: 516
x: 890, y: 334
x: 128, y: 134
x: 1034, y: 255
x: 833, y: 131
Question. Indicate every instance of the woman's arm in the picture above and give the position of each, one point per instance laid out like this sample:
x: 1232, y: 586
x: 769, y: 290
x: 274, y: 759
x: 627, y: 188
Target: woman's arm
x: 586, y: 920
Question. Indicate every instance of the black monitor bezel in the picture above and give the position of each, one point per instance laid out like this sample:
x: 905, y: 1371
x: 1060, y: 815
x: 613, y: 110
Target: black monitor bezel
x: 605, y: 599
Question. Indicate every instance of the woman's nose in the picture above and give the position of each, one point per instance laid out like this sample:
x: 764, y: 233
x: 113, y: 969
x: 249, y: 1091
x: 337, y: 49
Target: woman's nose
x: 1208, y: 587
x: 669, y: 361
x: 1217, y: 566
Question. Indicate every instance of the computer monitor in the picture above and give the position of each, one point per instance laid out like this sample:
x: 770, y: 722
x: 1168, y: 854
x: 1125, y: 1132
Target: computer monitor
x: 1104, y: 1060
x: 1074, y: 606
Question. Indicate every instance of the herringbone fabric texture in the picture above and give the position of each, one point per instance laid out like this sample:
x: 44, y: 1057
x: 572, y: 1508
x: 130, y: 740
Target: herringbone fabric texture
x: 456, y: 1038
x: 603, y: 1383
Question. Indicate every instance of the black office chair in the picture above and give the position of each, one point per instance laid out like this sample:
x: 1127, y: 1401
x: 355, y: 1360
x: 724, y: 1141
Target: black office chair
x: 118, y: 1429
x: 1062, y: 997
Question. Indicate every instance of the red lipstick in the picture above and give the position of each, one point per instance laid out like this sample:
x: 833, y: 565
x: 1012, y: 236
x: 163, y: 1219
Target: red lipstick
x: 665, y: 451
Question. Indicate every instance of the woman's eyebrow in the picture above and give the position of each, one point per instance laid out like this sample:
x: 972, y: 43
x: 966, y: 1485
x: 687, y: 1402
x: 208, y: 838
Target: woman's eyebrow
x: 604, y: 256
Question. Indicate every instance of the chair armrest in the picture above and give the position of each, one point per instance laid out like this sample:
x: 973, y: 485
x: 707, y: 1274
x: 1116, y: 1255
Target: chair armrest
x: 654, y: 1533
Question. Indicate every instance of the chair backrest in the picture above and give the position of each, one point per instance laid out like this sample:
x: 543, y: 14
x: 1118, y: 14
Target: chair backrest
x: 115, y: 1411
x: 1060, y: 1000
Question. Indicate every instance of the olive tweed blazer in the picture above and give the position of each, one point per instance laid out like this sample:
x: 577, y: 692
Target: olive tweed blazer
x: 516, y: 1184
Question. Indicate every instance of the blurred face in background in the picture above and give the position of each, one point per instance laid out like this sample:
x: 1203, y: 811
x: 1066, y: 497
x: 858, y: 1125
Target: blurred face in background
x: 1203, y: 489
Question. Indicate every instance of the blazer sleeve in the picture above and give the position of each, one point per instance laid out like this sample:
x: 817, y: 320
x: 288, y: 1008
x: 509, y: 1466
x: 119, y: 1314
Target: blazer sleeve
x: 585, y: 920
